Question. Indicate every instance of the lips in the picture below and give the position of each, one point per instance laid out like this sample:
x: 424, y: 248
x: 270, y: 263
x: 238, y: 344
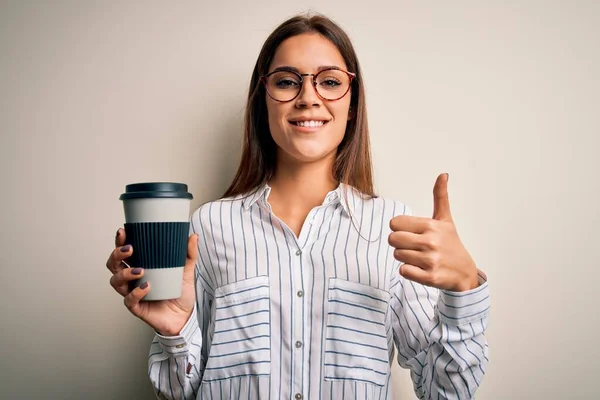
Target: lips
x: 309, y: 122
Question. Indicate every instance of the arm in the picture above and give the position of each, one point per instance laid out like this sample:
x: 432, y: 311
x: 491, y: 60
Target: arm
x: 440, y: 337
x: 176, y: 363
x: 439, y: 303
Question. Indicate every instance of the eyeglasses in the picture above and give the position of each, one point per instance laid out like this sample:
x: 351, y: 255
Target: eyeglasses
x: 284, y: 84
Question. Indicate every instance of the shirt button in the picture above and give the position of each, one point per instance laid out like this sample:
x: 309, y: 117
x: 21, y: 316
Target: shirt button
x: 180, y: 346
x: 298, y: 252
x: 300, y: 293
x: 298, y: 344
x: 298, y: 396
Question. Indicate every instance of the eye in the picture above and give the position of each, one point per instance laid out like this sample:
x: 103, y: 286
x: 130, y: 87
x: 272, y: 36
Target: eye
x: 330, y: 82
x: 286, y: 83
x: 284, y: 80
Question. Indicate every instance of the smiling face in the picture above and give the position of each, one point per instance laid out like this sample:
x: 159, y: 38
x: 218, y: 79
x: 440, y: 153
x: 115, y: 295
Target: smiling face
x: 308, y: 128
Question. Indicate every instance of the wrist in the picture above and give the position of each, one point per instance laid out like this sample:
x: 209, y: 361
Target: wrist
x: 168, y: 332
x: 466, y: 284
x: 175, y: 328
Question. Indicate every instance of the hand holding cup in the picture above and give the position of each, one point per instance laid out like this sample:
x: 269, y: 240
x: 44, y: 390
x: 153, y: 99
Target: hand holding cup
x: 154, y: 259
x: 167, y: 317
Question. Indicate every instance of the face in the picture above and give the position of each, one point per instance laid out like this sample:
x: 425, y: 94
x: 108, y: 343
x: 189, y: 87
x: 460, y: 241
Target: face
x: 297, y: 139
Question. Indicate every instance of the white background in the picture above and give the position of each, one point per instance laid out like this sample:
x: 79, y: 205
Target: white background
x: 94, y: 95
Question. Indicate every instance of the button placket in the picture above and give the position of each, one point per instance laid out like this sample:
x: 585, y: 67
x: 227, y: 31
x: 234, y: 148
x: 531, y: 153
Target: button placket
x: 299, y: 323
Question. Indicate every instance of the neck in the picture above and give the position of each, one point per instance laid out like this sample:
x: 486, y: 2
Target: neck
x: 301, y: 185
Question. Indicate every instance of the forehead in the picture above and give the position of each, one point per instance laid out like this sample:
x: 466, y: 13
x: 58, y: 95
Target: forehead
x: 307, y: 52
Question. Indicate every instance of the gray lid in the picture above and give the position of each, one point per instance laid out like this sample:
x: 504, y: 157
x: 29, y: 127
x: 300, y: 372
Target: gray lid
x: 152, y: 190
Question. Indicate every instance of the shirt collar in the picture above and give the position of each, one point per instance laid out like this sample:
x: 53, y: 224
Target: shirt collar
x: 253, y: 196
x: 344, y: 194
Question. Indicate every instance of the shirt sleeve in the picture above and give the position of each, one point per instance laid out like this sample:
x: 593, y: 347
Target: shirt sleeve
x: 176, y: 363
x: 439, y: 335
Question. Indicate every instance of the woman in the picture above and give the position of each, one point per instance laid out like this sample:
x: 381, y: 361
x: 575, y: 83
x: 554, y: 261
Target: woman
x: 300, y: 280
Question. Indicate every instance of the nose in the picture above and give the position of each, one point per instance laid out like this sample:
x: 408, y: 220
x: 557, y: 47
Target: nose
x: 308, y: 96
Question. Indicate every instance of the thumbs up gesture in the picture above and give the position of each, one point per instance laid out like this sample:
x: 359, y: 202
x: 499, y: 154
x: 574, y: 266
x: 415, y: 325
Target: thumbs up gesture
x: 430, y: 248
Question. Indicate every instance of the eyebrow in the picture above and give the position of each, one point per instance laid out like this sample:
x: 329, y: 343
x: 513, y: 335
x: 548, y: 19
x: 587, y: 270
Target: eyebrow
x: 296, y: 70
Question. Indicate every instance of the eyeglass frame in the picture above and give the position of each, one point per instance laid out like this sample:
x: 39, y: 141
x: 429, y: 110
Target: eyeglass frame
x: 264, y: 78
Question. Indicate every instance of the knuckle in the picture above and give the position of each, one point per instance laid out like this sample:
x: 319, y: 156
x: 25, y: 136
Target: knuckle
x: 117, y: 279
x: 430, y: 225
x: 433, y: 279
x: 435, y: 260
x: 431, y: 261
x: 430, y: 243
x: 125, y: 274
x: 110, y: 261
x: 128, y: 301
x: 114, y: 257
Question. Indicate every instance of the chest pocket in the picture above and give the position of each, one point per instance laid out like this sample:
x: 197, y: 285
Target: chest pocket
x: 241, y: 341
x: 356, y: 346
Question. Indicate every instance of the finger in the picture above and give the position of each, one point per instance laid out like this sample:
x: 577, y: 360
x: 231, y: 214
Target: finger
x: 132, y: 300
x: 407, y: 241
x: 192, y: 256
x: 120, y: 280
x: 414, y: 257
x: 441, y: 204
x: 408, y: 223
x: 416, y: 274
x: 115, y: 261
x: 120, y: 237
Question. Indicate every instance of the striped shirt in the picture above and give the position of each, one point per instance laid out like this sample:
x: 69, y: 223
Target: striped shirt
x: 315, y: 316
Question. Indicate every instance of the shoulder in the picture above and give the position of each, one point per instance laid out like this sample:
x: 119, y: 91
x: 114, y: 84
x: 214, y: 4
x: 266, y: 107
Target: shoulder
x: 214, y: 210
x: 379, y: 204
x: 395, y: 206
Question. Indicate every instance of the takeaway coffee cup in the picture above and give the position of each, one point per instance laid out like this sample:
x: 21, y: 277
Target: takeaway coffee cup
x: 157, y: 226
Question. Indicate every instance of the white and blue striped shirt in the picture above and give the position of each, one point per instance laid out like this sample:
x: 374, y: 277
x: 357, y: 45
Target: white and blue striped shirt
x: 315, y: 317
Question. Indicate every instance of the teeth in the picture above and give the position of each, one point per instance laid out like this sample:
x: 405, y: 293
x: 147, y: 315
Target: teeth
x: 310, y: 124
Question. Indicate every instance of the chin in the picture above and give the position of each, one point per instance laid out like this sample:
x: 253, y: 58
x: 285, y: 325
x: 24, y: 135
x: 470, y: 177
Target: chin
x: 312, y: 156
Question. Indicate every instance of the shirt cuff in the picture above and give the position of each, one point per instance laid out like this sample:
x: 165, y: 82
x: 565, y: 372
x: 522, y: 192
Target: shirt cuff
x: 460, y: 308
x: 180, y: 343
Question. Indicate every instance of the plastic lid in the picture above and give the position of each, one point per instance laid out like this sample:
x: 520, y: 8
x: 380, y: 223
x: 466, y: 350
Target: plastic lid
x: 152, y: 190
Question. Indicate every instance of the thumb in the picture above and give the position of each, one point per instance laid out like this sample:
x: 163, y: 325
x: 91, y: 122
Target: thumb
x: 192, y: 256
x: 441, y: 205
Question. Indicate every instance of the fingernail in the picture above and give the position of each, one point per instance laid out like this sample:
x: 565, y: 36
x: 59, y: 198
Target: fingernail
x: 118, y: 231
x: 125, y: 249
x: 144, y: 285
x: 136, y: 271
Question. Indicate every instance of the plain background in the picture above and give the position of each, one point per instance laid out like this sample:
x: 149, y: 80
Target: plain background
x: 94, y: 95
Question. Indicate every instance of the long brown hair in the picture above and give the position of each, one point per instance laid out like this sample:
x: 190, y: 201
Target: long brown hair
x: 258, y: 162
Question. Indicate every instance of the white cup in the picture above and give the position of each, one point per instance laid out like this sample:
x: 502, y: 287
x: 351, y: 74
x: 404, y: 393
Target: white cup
x: 157, y: 226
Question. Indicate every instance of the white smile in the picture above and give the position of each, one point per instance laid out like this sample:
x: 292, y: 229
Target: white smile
x: 309, y: 124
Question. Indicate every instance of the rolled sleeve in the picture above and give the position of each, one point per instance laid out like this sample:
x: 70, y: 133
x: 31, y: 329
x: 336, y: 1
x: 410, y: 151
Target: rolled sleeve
x: 180, y: 343
x: 460, y: 308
